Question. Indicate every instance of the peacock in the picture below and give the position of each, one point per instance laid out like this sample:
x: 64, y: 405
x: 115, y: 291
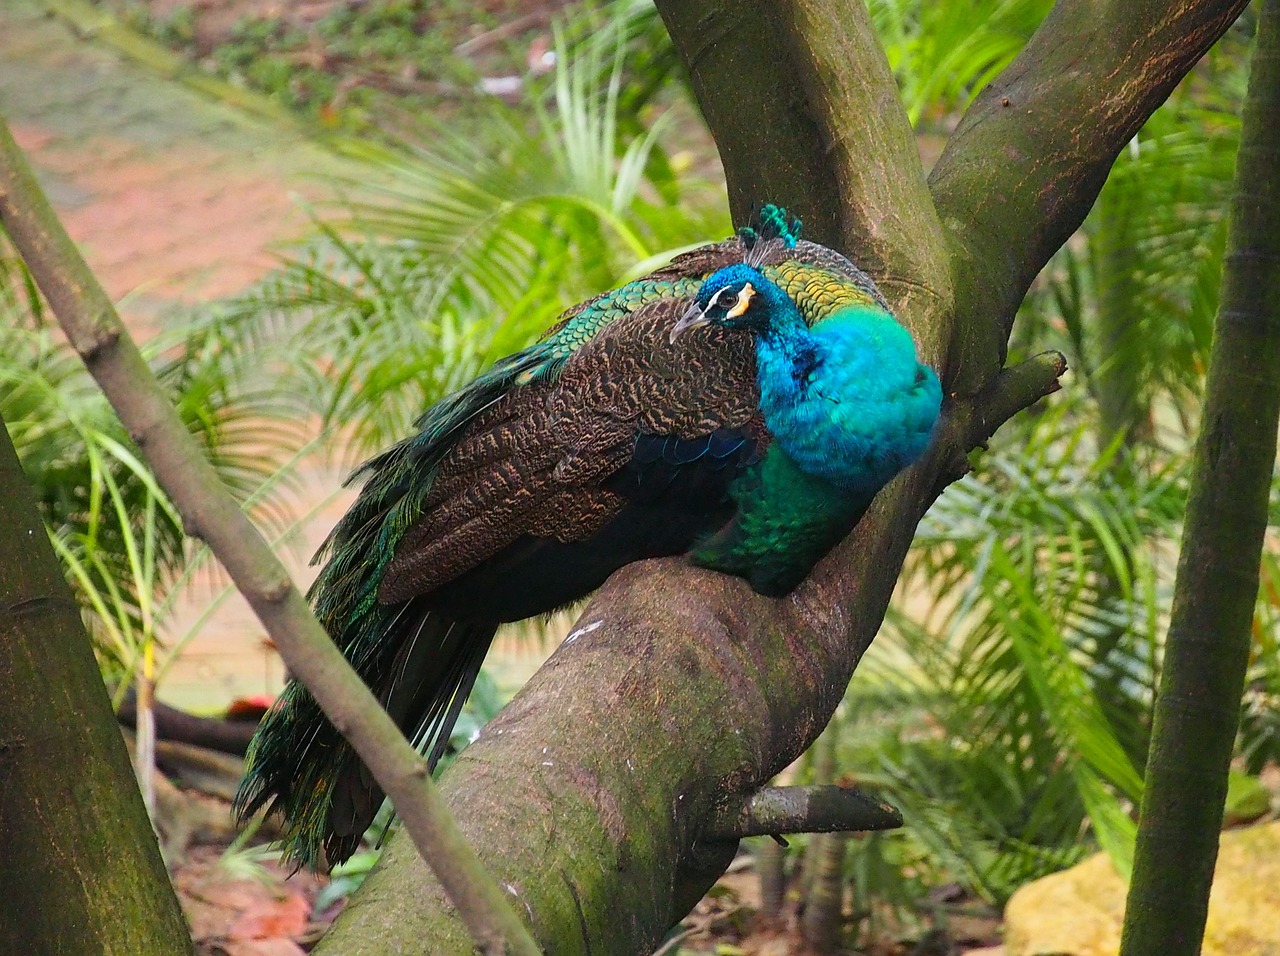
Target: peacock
x: 742, y: 405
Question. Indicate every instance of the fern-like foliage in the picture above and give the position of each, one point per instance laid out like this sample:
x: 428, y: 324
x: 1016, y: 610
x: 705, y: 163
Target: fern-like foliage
x: 1132, y: 298
x: 1015, y: 700
x: 453, y: 254
x: 119, y: 537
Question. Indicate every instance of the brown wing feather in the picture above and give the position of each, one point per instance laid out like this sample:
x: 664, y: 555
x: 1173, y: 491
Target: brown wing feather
x: 534, y: 462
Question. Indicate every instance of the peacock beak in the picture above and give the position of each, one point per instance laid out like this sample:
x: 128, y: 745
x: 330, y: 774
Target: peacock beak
x: 693, y: 317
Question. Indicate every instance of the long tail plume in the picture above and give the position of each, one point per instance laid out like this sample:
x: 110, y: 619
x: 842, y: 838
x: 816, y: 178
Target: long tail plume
x: 300, y: 766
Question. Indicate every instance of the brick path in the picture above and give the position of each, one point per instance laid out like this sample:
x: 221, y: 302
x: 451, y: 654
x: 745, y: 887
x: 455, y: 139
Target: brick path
x: 172, y: 195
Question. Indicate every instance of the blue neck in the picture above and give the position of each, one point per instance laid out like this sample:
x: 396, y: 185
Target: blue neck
x: 785, y: 347
x: 846, y: 401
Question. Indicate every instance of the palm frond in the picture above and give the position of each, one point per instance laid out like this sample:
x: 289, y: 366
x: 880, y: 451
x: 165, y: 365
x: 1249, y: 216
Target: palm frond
x: 459, y: 253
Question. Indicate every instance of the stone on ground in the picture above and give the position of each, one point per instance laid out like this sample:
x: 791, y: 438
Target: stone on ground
x: 1079, y: 912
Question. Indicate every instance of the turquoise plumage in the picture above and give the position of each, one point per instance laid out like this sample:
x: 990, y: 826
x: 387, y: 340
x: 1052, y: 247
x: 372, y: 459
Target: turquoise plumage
x: 848, y: 406
x: 750, y: 429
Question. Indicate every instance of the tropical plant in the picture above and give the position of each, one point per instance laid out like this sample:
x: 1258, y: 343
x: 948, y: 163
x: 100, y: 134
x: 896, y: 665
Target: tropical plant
x: 1132, y: 297
x: 452, y: 255
x: 1006, y: 707
x: 1017, y: 699
x: 943, y: 54
x: 115, y: 530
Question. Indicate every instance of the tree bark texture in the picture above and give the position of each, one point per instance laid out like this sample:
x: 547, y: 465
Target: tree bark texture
x: 84, y: 873
x: 1198, y: 707
x: 770, y: 866
x: 822, y: 924
x: 680, y: 689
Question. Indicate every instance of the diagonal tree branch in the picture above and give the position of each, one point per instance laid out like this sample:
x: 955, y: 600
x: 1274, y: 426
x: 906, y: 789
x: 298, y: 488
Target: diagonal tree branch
x: 822, y: 808
x: 1026, y: 163
x: 208, y: 511
x: 593, y: 794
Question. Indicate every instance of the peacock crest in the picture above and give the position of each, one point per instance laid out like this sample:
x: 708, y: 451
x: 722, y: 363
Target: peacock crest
x: 769, y: 232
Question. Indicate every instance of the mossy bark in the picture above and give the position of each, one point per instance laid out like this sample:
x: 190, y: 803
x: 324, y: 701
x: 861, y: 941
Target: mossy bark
x: 84, y: 873
x: 587, y: 796
x: 1198, y: 707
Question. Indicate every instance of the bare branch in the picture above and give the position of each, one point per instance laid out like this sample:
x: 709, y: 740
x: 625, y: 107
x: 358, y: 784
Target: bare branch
x: 1029, y: 158
x: 1015, y: 388
x: 825, y: 808
x: 90, y: 322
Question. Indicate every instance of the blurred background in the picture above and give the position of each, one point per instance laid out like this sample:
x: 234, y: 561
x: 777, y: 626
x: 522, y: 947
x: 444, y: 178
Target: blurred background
x: 319, y: 217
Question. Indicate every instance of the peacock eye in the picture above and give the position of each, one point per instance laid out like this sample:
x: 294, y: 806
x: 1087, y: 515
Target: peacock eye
x: 745, y: 295
x: 716, y: 302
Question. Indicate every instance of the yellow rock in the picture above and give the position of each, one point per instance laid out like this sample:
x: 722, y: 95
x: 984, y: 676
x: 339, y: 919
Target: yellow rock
x: 1079, y: 911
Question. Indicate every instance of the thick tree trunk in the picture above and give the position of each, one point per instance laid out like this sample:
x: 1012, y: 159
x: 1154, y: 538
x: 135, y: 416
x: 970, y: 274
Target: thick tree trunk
x: 84, y: 873
x: 1198, y: 707
x: 588, y: 795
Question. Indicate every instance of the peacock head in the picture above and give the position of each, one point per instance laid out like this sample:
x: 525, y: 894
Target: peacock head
x: 735, y: 297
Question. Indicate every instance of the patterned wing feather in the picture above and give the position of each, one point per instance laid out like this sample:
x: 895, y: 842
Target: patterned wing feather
x: 535, y: 461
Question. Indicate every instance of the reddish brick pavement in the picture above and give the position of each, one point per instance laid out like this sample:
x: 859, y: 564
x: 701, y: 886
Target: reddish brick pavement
x: 172, y: 196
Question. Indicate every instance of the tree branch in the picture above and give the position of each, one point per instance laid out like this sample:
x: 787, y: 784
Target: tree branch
x: 88, y: 876
x: 214, y: 733
x: 1014, y: 388
x: 90, y: 322
x: 1026, y: 163
x: 825, y: 808
x: 1197, y: 708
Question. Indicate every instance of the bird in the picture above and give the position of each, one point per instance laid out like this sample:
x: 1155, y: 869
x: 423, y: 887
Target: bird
x: 742, y: 405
